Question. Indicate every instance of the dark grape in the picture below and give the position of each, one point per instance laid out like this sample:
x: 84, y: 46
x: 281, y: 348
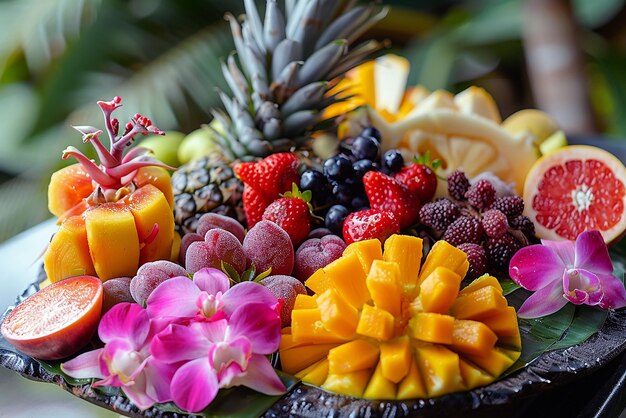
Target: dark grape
x: 392, y: 160
x: 361, y: 167
x: 373, y: 132
x: 314, y: 181
x: 335, y: 217
x: 365, y: 148
x: 338, y: 168
x: 343, y: 193
x: 360, y: 203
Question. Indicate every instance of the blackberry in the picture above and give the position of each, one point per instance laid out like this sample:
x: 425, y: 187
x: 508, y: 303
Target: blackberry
x: 495, y: 223
x: 439, y: 214
x: 464, y: 229
x: 511, y: 206
x: 392, y: 161
x: 477, y: 260
x: 458, y: 185
x: 481, y: 195
x: 500, y: 250
x: 365, y: 148
x: 524, y: 224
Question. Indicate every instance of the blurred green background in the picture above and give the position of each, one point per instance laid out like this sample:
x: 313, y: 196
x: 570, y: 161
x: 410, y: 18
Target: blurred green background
x: 58, y: 57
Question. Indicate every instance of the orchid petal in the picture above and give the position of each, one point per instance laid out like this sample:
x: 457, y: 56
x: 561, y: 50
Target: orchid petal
x: 581, y: 286
x: 543, y: 302
x: 158, y: 379
x: 536, y: 266
x: 211, y: 280
x: 247, y: 292
x: 563, y: 249
x: 122, y: 360
x: 225, y: 353
x: 194, y: 385
x: 213, y: 331
x: 614, y: 292
x: 84, y: 366
x: 175, y: 297
x: 179, y: 343
x: 259, y: 323
x: 592, y: 253
x: 127, y: 321
x: 137, y: 394
x: 260, y: 376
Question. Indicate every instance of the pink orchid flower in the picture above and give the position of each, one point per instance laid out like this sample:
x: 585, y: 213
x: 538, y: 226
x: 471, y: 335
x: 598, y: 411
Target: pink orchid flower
x: 562, y: 271
x: 221, y: 354
x: 125, y: 360
x: 208, y: 295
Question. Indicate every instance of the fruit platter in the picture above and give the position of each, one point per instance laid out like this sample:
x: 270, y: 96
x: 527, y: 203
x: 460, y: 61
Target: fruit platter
x: 339, y: 244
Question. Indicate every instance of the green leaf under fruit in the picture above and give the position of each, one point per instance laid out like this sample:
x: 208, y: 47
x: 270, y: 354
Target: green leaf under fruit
x: 508, y: 286
x: 54, y: 368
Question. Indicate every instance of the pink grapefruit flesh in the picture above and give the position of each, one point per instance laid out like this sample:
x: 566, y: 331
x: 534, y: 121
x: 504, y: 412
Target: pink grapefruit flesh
x: 57, y: 321
x: 575, y: 189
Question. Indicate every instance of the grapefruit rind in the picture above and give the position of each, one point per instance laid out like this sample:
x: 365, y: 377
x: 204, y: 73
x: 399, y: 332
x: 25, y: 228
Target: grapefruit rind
x: 558, y: 158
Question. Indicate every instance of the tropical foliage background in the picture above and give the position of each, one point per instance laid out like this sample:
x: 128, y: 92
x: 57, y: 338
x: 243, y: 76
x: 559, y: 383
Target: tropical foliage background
x: 57, y: 57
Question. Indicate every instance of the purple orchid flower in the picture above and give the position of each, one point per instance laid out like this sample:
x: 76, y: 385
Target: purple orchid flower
x: 125, y: 361
x: 580, y: 272
x: 221, y: 354
x: 208, y: 295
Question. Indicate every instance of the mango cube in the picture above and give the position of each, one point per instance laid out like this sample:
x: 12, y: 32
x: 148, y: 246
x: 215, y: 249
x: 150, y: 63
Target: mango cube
x: 307, y: 326
x: 375, y: 323
x: 481, y: 303
x: 407, y: 252
x: 348, y: 278
x: 444, y: 254
x: 395, y: 358
x: 473, y: 376
x: 495, y: 362
x: 439, y: 290
x: 472, y: 337
x: 319, y: 282
x: 315, y: 374
x: 352, y: 356
x: 412, y: 386
x: 440, y: 369
x: 432, y: 327
x: 351, y: 384
x: 295, y: 359
x: 305, y: 302
x: 379, y: 387
x: 338, y: 316
x: 480, y: 282
x: 367, y: 251
x: 383, y: 286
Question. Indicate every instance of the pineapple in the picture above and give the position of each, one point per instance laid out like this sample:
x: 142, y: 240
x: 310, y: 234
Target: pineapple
x: 285, y: 68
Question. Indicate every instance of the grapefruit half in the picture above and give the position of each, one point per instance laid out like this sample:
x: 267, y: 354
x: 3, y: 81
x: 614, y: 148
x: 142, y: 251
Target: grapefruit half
x: 58, y: 320
x: 575, y: 189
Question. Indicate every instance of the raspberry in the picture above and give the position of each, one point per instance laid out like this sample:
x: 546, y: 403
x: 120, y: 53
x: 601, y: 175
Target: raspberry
x: 500, y: 250
x: 511, y: 206
x: 481, y: 195
x: 495, y: 223
x: 464, y: 229
x: 524, y: 224
x: 439, y: 214
x: 458, y: 185
x: 477, y: 260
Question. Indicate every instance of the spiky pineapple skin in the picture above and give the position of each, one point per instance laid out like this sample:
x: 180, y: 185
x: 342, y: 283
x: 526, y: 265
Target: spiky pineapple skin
x: 206, y: 185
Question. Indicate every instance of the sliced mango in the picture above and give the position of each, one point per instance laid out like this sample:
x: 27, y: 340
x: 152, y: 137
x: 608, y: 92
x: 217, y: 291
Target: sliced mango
x: 383, y: 285
x: 432, y: 327
x: 503, y: 323
x: 481, y: 303
x: 352, y: 356
x: 338, y: 316
x: 348, y: 278
x: 395, y: 358
x: 439, y: 290
x: 412, y: 386
x: 472, y: 337
x: 351, y: 384
x: 405, y: 250
x: 319, y: 282
x: 473, y: 376
x: 68, y: 253
x: 113, y: 240
x: 367, y: 250
x: 67, y: 188
x: 305, y: 302
x: 375, y: 323
x: 315, y: 374
x: 159, y: 177
x: 480, y: 282
x: 495, y: 362
x: 295, y: 359
x: 444, y: 254
x: 514, y: 341
x: 440, y: 369
x: 307, y: 326
x: 379, y: 387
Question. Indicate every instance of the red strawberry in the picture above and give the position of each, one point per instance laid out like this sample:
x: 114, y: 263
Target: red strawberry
x: 420, y: 177
x: 272, y: 175
x: 369, y: 223
x: 292, y: 212
x: 254, y: 205
x: 386, y: 193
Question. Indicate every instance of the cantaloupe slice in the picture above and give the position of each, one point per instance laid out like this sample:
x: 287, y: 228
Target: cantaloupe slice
x: 432, y: 327
x: 395, y: 358
x: 367, y: 250
x: 68, y: 253
x: 338, y: 316
x: 447, y: 255
x: 379, y: 387
x: 375, y: 323
x: 383, y: 285
x: 348, y: 277
x: 439, y: 290
x: 352, y: 356
x: 113, y: 240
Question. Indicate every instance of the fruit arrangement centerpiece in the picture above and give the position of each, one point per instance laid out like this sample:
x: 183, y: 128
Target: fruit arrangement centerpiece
x: 337, y: 230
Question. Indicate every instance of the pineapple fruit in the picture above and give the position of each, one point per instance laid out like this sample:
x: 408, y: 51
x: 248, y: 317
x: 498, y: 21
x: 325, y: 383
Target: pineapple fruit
x: 382, y: 326
x: 285, y: 66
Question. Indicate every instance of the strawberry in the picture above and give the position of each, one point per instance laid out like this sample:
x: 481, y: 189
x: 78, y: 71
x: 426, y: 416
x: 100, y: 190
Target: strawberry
x: 292, y: 212
x: 386, y: 193
x: 254, y: 205
x: 264, y: 181
x: 420, y: 177
x: 369, y: 223
x: 272, y: 175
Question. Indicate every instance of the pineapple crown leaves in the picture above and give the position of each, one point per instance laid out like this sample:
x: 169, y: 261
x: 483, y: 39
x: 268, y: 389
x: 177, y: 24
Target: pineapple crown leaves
x: 281, y: 83
x: 116, y: 170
